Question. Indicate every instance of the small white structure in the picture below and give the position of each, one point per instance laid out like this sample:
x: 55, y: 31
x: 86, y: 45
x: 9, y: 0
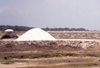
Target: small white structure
x: 9, y: 33
x: 35, y: 34
x: 9, y: 30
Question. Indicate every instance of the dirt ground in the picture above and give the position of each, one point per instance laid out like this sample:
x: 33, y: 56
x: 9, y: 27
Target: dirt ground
x: 50, y: 62
x: 60, y: 62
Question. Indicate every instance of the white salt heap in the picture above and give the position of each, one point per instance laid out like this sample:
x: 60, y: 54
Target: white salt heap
x: 9, y: 30
x: 35, y: 34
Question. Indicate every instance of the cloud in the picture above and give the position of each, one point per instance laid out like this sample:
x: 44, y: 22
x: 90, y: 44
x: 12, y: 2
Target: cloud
x: 23, y: 12
x: 96, y: 12
x: 4, y: 8
x: 14, y: 10
x: 51, y: 0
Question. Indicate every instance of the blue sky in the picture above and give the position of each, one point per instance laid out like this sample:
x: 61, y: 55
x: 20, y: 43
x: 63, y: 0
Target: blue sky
x: 51, y: 13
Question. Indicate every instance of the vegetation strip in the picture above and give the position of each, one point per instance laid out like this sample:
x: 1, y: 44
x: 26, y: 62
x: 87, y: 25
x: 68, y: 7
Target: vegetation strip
x: 46, y: 55
x: 39, y: 55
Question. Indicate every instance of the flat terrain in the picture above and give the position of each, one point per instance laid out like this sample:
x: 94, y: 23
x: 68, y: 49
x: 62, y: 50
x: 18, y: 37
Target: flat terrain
x: 55, y: 62
x: 67, y: 55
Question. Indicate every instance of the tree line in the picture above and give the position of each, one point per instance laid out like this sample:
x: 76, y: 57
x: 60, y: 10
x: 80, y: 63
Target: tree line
x: 64, y: 29
x: 16, y: 28
x: 25, y: 28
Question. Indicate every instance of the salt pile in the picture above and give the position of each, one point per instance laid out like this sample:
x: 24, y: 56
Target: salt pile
x: 35, y: 34
x: 9, y: 30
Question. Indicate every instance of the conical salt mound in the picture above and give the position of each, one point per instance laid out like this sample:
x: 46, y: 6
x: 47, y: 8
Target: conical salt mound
x: 35, y: 34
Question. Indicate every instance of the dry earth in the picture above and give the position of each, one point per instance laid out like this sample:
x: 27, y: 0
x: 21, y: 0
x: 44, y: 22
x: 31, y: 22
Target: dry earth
x: 60, y: 62
x: 48, y: 62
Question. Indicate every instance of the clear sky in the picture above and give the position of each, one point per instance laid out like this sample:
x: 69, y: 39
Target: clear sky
x: 51, y: 13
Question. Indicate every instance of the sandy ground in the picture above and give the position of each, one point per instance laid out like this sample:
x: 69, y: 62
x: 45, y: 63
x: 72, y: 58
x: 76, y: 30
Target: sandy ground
x: 98, y: 40
x: 31, y: 63
x: 20, y: 64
